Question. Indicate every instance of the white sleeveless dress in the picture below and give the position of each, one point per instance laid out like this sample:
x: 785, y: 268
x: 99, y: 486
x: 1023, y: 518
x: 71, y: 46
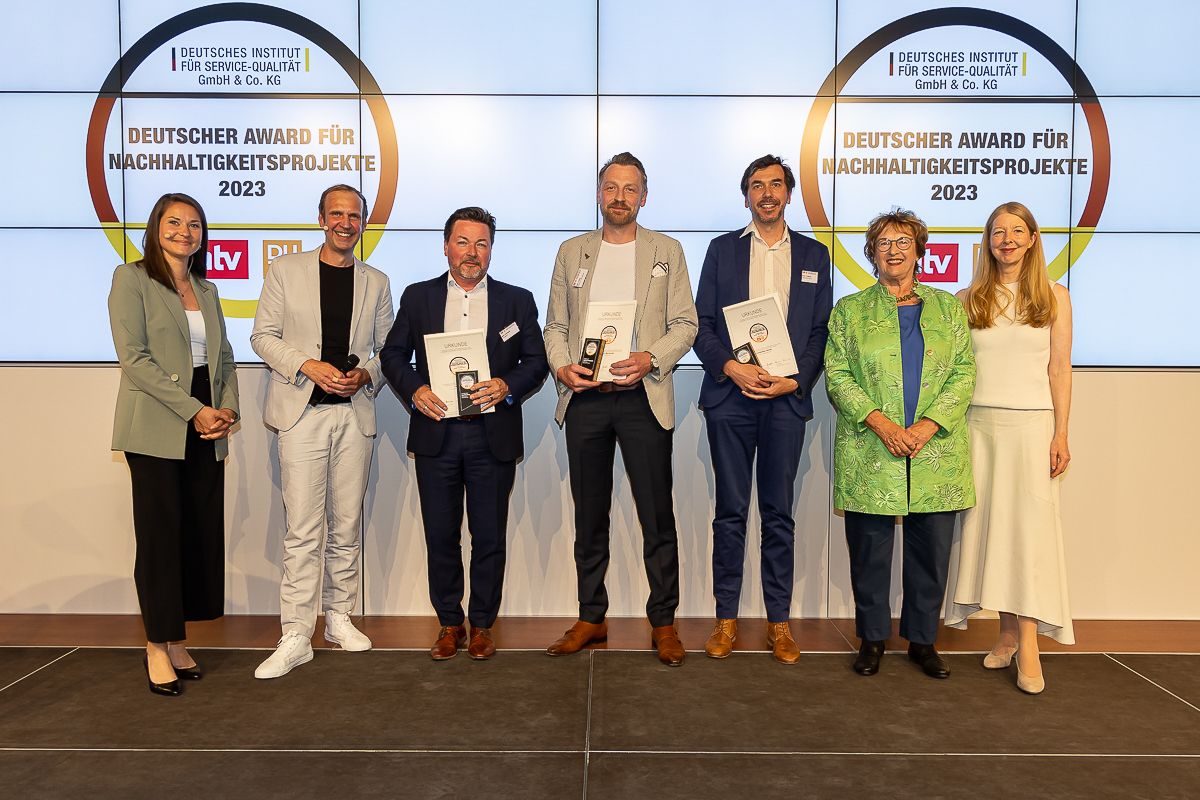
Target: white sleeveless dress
x: 1008, y: 550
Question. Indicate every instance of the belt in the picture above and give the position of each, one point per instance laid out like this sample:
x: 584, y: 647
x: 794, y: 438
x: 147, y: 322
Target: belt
x: 466, y: 418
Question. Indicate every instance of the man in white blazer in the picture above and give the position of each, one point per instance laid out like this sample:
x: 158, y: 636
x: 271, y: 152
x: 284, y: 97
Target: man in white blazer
x: 634, y: 406
x: 321, y: 320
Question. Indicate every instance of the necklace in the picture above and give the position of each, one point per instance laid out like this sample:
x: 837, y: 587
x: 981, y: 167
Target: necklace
x: 904, y: 298
x: 186, y: 285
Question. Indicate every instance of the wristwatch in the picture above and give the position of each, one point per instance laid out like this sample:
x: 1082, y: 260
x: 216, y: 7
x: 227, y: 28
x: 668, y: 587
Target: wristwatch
x: 654, y: 362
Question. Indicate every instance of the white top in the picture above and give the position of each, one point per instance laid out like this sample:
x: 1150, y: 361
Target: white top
x: 770, y: 266
x: 614, y: 278
x: 1013, y: 364
x: 465, y: 311
x: 196, y: 334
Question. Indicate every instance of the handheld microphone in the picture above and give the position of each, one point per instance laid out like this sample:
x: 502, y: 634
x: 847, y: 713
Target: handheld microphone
x: 351, y: 363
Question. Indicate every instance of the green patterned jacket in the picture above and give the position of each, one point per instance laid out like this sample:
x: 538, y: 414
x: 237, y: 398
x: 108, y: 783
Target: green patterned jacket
x: 863, y: 372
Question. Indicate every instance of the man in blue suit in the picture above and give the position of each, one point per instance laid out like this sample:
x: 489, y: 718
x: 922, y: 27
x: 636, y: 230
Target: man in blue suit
x: 477, y: 452
x: 749, y: 410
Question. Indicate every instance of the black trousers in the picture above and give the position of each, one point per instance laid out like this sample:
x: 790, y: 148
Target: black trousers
x: 927, y: 540
x: 179, y: 527
x: 595, y: 423
x: 465, y: 463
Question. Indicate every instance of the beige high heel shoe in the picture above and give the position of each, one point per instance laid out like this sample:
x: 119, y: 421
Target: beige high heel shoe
x: 994, y: 661
x: 1030, y: 685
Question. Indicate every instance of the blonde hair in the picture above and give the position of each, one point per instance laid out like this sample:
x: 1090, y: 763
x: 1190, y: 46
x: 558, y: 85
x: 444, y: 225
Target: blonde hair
x: 1035, y: 303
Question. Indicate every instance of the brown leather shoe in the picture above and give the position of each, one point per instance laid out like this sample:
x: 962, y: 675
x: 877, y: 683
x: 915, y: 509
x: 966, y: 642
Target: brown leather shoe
x: 779, y: 637
x: 482, y: 645
x: 450, y: 638
x: 670, y: 649
x: 720, y: 644
x: 579, y: 636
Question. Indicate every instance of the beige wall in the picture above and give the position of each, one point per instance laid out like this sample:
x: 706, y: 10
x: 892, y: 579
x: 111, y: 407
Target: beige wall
x: 1132, y: 544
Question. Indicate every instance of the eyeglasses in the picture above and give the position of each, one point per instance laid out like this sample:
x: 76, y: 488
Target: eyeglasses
x: 903, y: 243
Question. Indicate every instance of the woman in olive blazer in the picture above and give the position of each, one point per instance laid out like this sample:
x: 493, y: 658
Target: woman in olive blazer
x: 177, y: 370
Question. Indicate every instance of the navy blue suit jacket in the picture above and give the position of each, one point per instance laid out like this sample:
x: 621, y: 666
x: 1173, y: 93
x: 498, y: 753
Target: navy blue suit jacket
x: 725, y: 280
x: 520, y: 361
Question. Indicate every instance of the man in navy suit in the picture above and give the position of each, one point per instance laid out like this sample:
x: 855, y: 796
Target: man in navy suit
x: 478, y: 452
x: 749, y: 410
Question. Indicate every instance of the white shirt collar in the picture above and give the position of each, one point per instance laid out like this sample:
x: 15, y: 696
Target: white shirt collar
x: 453, y: 285
x: 752, y: 230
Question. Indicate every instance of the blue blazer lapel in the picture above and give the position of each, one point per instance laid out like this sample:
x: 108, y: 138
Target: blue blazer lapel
x: 497, y: 316
x: 795, y: 288
x: 437, y: 304
x: 741, y: 260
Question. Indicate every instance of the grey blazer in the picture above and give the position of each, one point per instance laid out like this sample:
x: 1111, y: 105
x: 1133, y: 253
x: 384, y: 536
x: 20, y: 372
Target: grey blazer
x: 150, y: 333
x: 287, y: 332
x: 665, y: 323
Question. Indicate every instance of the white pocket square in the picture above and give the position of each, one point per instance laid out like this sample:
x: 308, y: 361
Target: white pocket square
x: 660, y: 269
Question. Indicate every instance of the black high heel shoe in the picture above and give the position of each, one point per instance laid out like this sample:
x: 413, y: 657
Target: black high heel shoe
x: 171, y: 689
x: 188, y: 673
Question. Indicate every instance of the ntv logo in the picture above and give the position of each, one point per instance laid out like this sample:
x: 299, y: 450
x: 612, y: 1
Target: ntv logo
x: 228, y: 259
x: 940, y: 264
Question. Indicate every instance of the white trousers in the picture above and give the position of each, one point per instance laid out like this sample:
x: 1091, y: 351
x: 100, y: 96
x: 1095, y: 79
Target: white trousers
x: 324, y: 461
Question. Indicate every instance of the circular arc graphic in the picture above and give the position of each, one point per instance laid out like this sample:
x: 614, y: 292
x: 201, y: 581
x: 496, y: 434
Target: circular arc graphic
x: 1085, y: 96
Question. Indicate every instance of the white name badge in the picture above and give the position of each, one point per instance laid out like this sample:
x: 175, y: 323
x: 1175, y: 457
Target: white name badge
x: 808, y: 276
x: 580, y: 277
x: 509, y: 332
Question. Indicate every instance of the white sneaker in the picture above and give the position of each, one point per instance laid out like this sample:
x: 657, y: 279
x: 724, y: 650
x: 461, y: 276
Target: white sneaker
x: 341, y: 631
x: 292, y: 651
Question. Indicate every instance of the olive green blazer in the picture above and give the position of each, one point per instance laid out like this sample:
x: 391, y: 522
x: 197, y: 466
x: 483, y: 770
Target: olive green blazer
x: 150, y: 333
x: 864, y: 373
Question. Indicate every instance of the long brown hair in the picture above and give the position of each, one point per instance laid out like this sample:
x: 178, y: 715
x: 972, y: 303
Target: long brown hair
x: 1035, y: 303
x: 153, y: 260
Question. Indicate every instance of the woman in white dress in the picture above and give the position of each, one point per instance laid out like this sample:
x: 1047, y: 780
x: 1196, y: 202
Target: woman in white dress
x: 1008, y: 556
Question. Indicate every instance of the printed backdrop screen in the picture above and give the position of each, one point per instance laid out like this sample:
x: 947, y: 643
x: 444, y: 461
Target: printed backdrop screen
x: 1082, y: 111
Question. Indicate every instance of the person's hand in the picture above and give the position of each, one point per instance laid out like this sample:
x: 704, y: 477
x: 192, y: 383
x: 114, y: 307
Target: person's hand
x: 775, y: 387
x: 212, y: 424
x: 898, y: 441
x: 429, y: 403
x: 327, y: 376
x: 632, y: 369
x: 354, y: 380
x: 1060, y: 456
x: 493, y: 391
x: 748, y: 377
x: 573, y: 377
x: 922, y: 431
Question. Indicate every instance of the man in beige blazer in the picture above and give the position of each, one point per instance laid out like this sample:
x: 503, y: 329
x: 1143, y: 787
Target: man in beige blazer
x: 634, y: 406
x: 321, y: 313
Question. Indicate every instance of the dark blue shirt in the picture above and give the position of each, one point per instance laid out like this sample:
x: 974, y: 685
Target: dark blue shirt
x: 912, y: 356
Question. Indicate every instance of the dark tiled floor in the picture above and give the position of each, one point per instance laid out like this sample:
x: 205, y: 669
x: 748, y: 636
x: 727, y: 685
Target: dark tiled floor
x: 749, y: 702
x: 395, y: 723
x: 295, y: 776
x: 383, y: 700
x: 1177, y: 674
x: 17, y: 662
x: 762, y: 777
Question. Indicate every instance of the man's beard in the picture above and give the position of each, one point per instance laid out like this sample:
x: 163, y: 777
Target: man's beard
x: 471, y: 270
x: 618, y: 214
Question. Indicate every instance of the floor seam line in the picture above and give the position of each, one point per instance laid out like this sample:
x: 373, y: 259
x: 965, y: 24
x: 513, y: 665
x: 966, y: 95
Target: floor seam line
x: 587, y: 730
x: 39, y: 669
x: 1152, y: 683
x: 382, y: 750
x: 435, y: 751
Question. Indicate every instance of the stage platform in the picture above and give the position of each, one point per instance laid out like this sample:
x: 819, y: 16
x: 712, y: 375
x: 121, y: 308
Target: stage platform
x: 1120, y: 717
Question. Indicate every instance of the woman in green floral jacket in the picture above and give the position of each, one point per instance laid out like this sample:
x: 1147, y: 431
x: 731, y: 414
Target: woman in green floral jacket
x: 900, y: 372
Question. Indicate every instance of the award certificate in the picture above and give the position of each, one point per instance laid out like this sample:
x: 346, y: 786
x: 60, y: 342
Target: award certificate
x: 613, y: 323
x: 451, y: 353
x: 759, y: 323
